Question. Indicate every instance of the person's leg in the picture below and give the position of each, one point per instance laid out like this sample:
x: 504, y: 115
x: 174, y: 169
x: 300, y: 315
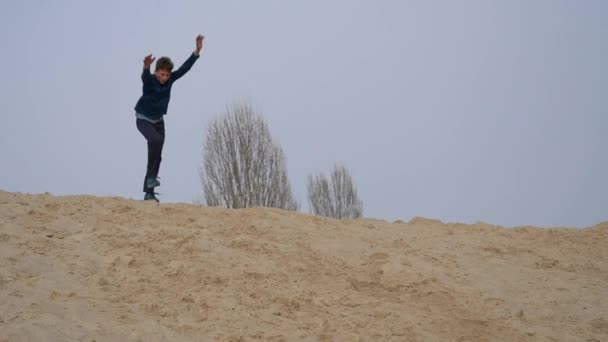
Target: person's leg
x: 160, y: 128
x: 155, y: 141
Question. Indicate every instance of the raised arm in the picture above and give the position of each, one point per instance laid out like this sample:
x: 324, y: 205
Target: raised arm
x: 177, y: 74
x: 148, y: 60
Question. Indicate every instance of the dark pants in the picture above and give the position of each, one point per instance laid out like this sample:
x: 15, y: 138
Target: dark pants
x: 155, y: 135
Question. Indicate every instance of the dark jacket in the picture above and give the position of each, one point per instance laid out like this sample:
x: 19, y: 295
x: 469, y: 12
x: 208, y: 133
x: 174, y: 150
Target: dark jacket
x: 155, y: 97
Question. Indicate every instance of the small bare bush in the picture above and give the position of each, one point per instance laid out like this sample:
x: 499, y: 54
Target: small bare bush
x: 334, y: 197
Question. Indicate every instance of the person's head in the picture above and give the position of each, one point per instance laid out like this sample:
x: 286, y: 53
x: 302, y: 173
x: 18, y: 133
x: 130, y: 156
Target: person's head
x: 164, y: 66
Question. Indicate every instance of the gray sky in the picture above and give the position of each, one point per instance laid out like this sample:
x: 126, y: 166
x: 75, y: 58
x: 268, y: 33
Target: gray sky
x: 463, y: 111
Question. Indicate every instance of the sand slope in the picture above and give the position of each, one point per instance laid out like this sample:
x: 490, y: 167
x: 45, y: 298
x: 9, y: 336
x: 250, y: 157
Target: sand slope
x: 83, y: 268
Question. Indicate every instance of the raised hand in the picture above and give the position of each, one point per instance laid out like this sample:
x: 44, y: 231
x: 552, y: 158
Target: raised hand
x: 199, y: 44
x: 148, y: 61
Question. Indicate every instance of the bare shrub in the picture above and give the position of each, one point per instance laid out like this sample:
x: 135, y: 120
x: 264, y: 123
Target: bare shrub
x: 334, y: 197
x: 242, y: 166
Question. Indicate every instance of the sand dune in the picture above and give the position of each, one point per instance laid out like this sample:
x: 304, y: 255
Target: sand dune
x: 83, y: 268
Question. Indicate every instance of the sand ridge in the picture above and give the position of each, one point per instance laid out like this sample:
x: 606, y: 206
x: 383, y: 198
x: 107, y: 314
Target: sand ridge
x: 84, y: 268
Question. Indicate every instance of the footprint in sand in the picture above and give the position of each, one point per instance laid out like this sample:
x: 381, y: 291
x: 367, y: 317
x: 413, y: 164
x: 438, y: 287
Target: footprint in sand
x: 375, y: 263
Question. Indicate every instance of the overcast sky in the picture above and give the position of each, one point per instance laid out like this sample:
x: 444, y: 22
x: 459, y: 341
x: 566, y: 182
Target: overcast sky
x: 464, y: 111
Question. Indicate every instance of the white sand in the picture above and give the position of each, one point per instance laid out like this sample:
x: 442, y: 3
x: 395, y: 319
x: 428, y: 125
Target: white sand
x: 83, y: 268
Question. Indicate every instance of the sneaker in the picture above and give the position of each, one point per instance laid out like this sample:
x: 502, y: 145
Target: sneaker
x: 152, y: 182
x: 150, y: 196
